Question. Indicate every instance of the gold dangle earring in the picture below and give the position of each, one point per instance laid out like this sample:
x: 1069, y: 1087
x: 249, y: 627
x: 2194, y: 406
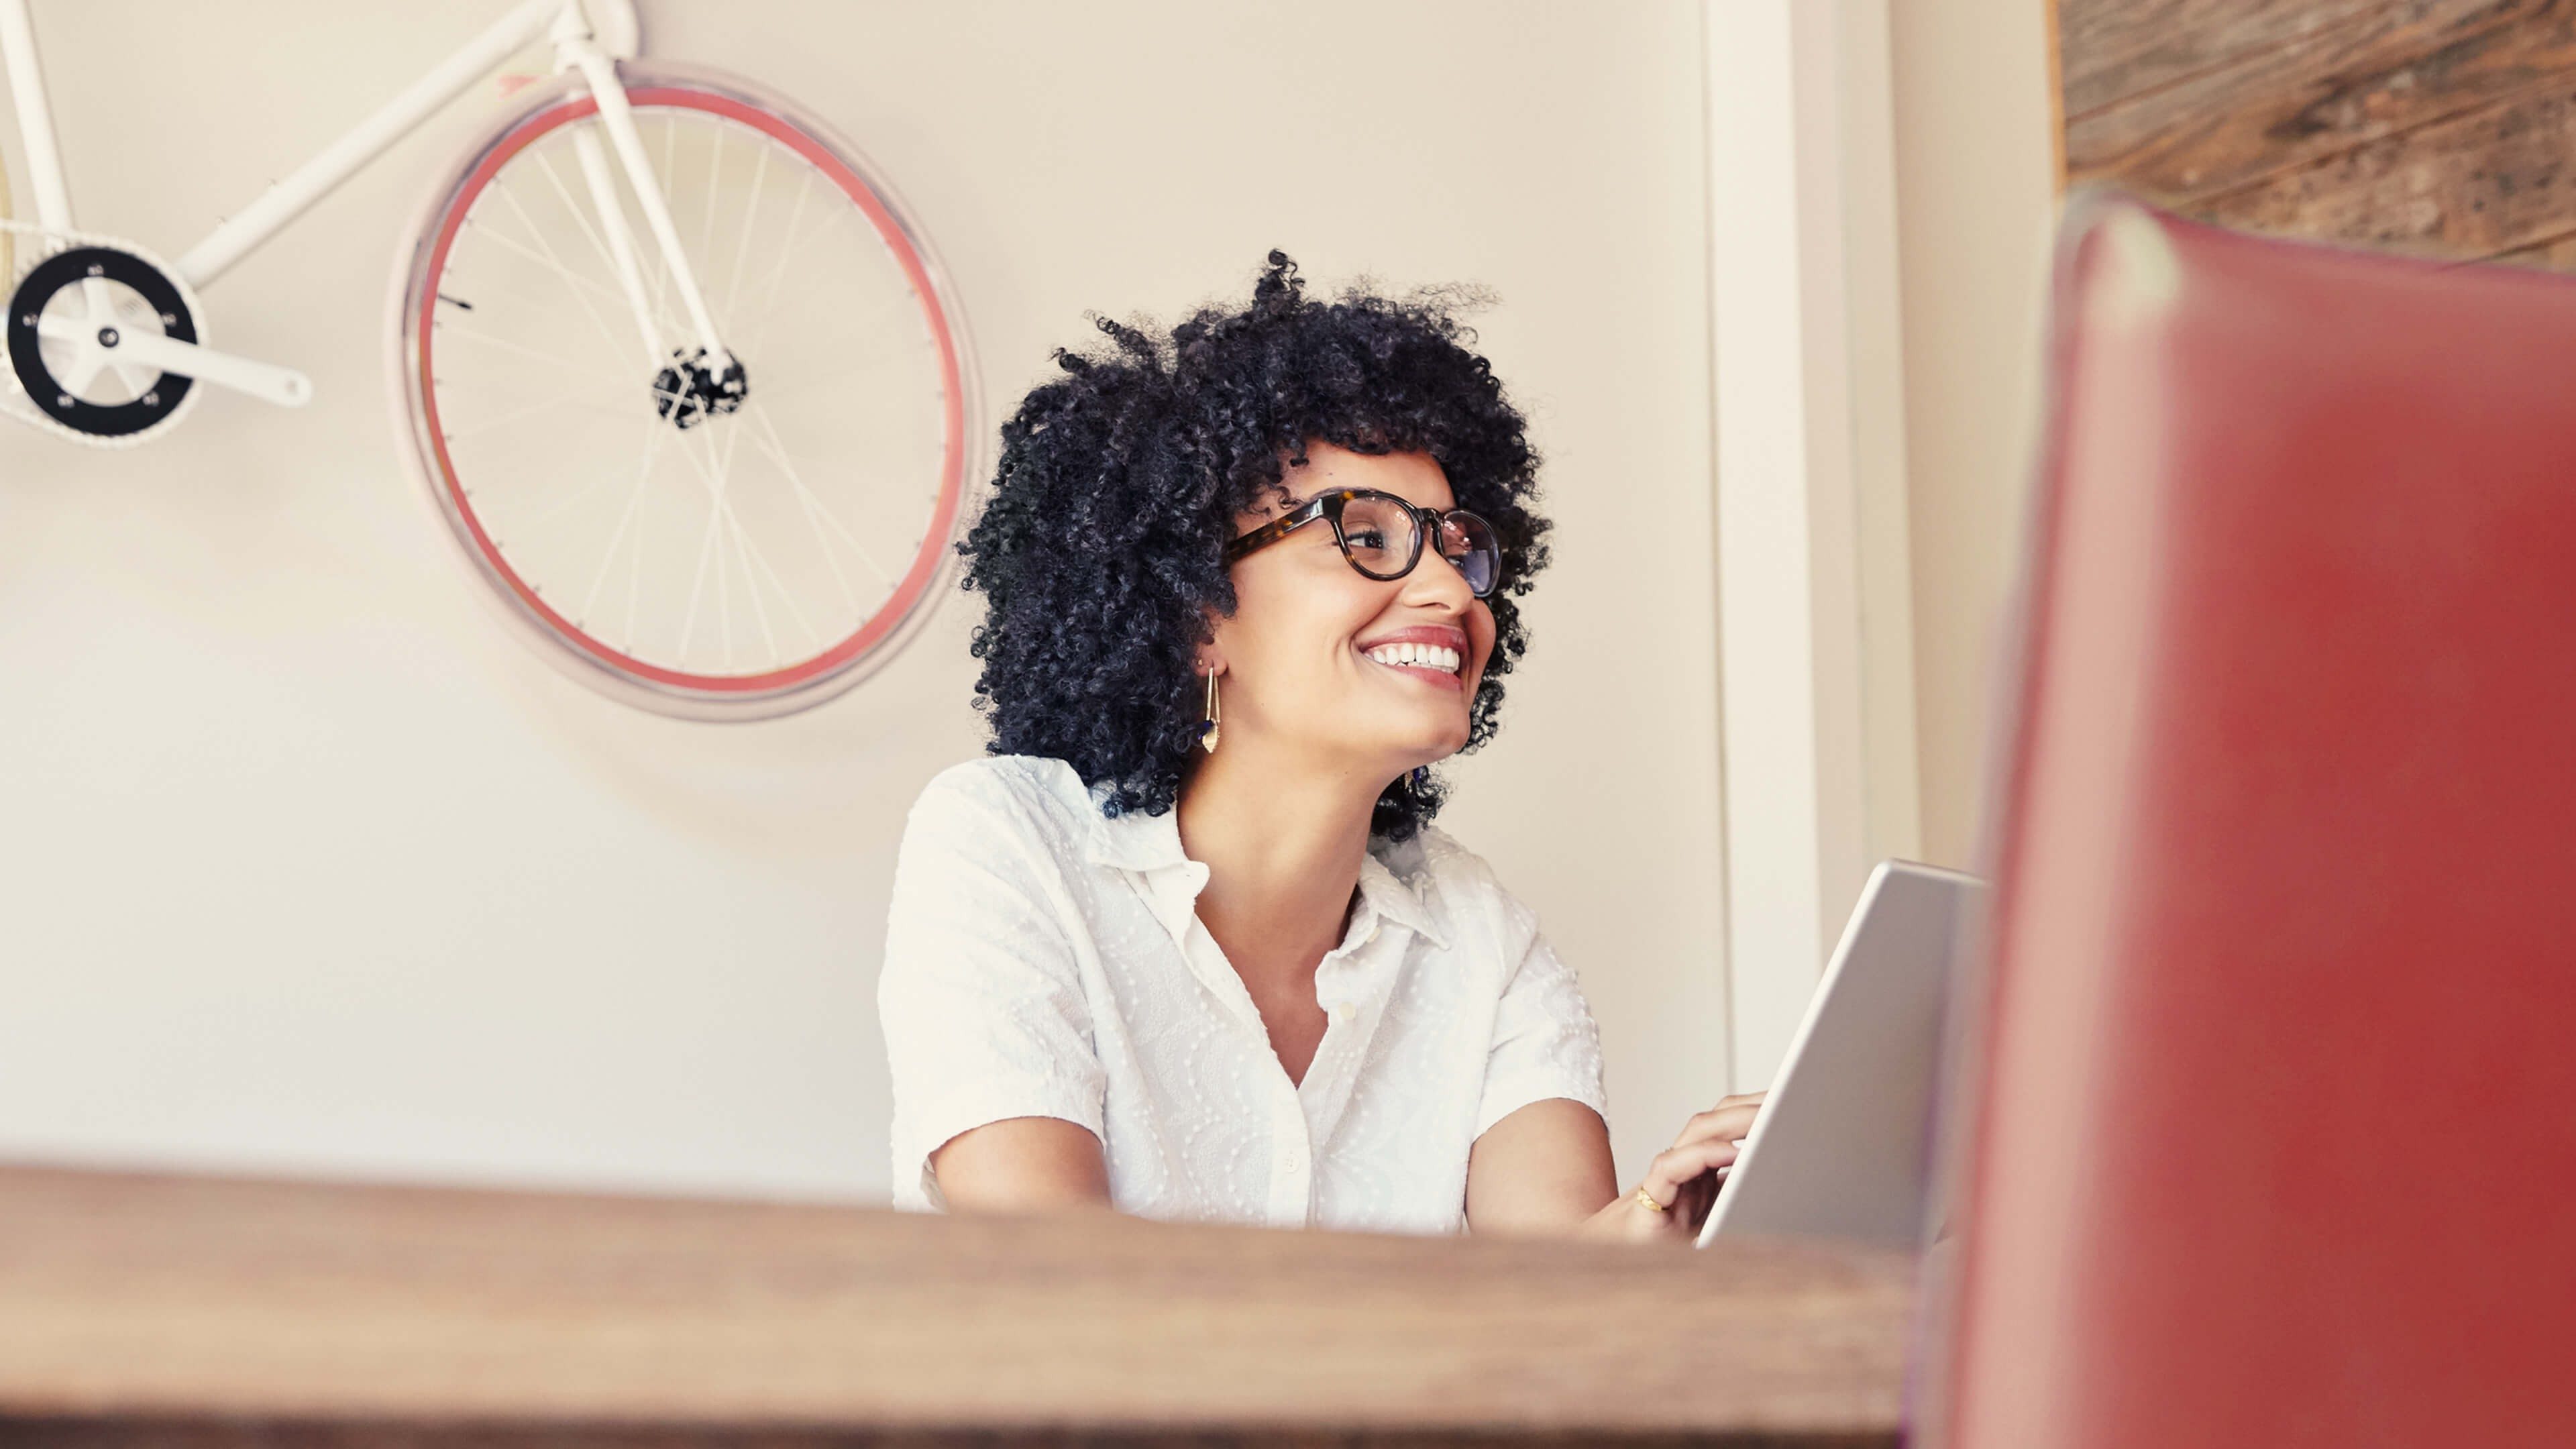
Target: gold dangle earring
x: 1207, y: 726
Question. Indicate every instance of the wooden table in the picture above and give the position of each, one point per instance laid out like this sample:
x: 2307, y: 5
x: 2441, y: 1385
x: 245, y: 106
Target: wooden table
x: 204, y: 1313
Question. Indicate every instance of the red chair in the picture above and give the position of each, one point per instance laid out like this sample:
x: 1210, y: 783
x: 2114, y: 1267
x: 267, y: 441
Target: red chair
x: 2275, y: 1142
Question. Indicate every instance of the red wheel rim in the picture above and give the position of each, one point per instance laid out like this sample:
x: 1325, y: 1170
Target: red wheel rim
x: 909, y: 591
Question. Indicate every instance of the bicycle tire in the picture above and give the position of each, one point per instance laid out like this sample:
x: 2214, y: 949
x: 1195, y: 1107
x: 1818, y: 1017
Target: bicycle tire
x: 673, y: 683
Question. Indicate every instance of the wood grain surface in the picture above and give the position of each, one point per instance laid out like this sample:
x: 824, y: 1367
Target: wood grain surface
x: 2113, y: 50
x: 2435, y: 127
x: 200, y: 1313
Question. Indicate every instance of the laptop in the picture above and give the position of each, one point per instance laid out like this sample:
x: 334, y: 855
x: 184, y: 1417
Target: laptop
x: 1843, y: 1145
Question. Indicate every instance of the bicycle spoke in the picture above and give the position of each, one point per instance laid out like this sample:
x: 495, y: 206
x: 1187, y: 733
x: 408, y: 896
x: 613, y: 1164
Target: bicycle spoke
x: 795, y: 219
x: 697, y: 586
x: 572, y: 496
x: 812, y: 638
x: 580, y: 216
x: 724, y: 600
x: 547, y: 258
x: 608, y: 258
x: 474, y: 335
x: 769, y: 302
x: 753, y: 555
x: 521, y: 414
x: 625, y: 517
x: 507, y: 285
x: 813, y: 506
x: 750, y: 213
x: 537, y: 234
x: 554, y: 510
x: 719, y: 480
x: 779, y: 393
x: 660, y: 292
x: 735, y: 533
x: 707, y: 213
x: 717, y: 474
x: 634, y: 579
x: 598, y: 245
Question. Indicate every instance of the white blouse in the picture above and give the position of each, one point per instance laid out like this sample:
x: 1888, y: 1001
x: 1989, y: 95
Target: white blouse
x: 1043, y: 960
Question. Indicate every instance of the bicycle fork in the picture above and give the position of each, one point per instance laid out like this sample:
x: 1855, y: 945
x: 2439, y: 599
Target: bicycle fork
x: 575, y: 50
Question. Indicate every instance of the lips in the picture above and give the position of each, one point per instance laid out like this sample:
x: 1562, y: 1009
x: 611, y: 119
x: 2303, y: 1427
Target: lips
x: 1432, y: 653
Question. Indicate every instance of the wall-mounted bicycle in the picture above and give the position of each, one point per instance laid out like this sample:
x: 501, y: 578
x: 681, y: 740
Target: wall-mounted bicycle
x: 688, y: 388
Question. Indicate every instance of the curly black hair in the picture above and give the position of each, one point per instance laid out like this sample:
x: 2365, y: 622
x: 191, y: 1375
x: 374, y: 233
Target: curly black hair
x: 1100, y: 549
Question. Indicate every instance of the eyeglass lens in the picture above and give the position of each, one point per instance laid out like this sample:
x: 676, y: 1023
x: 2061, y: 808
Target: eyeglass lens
x: 1382, y: 539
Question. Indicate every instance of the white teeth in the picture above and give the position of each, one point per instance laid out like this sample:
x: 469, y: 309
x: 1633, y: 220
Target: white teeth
x: 1420, y: 656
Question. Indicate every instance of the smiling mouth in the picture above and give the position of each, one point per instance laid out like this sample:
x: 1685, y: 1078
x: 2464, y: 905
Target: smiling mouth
x: 1434, y: 663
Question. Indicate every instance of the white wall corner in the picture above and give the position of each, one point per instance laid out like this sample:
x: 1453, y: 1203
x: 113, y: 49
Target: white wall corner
x: 1815, y: 621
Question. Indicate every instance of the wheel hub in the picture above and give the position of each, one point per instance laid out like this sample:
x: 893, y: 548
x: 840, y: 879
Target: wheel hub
x: 687, y: 391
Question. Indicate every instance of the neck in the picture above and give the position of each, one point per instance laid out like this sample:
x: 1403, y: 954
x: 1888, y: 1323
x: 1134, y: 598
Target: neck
x: 1282, y: 840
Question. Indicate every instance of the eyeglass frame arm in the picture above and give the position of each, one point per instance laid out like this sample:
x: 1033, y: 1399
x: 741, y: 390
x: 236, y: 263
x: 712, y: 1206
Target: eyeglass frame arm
x: 1287, y: 523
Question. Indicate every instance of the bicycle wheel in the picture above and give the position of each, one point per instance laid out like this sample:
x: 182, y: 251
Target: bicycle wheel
x: 718, y: 562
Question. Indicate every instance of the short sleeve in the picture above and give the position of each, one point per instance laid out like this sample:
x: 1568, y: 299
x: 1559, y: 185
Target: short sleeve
x: 981, y: 996
x: 1545, y: 1042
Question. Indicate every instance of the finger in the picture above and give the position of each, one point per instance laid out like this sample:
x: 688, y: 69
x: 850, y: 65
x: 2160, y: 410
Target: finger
x: 1721, y: 1122
x: 1677, y: 1165
x: 1736, y: 1106
x: 1698, y: 1195
x: 1726, y: 1122
x: 1667, y: 1181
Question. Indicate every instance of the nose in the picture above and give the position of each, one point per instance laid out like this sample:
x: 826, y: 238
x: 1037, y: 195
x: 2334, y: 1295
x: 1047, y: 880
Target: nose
x: 1436, y: 582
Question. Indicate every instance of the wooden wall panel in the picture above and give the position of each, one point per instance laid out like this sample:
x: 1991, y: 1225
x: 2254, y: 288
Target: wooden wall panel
x: 2111, y: 50
x: 2437, y: 127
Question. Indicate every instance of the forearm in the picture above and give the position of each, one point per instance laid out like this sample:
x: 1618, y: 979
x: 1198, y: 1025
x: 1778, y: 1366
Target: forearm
x: 1546, y: 1169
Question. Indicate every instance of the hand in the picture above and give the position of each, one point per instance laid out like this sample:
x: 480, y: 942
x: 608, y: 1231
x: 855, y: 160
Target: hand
x: 1683, y: 1177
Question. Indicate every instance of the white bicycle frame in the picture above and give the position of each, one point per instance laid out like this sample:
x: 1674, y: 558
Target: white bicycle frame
x: 564, y: 22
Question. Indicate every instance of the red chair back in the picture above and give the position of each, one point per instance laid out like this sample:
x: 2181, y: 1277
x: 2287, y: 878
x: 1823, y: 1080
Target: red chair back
x: 2275, y: 1141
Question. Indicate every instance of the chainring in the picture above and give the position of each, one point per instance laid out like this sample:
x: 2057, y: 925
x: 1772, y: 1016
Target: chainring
x: 144, y: 282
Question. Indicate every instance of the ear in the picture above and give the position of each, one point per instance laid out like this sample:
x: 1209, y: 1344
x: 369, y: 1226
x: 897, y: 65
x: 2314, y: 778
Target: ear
x: 1209, y: 657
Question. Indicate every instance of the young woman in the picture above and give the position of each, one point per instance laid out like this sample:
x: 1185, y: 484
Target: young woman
x: 1186, y: 944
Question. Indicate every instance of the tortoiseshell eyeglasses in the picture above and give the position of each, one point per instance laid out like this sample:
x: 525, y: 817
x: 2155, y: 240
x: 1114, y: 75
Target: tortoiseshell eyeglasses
x: 1381, y: 536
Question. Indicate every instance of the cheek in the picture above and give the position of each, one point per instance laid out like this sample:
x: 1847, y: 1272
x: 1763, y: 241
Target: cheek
x: 1297, y: 625
x: 1480, y: 637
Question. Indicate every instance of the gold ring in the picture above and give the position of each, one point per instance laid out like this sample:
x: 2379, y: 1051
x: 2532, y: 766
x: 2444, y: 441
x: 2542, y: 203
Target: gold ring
x: 1647, y: 1201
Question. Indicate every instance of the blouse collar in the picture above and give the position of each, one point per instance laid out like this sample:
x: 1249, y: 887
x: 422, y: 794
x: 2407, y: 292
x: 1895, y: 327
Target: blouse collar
x: 1151, y: 846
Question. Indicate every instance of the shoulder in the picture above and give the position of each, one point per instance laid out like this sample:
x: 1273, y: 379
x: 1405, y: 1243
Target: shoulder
x: 992, y: 853
x: 1031, y: 800
x: 1455, y: 883
x: 1008, y: 783
x: 1432, y: 856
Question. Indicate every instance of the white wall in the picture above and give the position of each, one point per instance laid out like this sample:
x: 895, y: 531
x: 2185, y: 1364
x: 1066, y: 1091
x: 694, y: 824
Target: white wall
x: 1814, y: 593
x: 305, y: 864
x: 1976, y: 197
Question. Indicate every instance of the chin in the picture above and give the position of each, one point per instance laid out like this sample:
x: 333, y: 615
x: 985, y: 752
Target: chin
x: 1443, y: 747
x: 1417, y: 737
